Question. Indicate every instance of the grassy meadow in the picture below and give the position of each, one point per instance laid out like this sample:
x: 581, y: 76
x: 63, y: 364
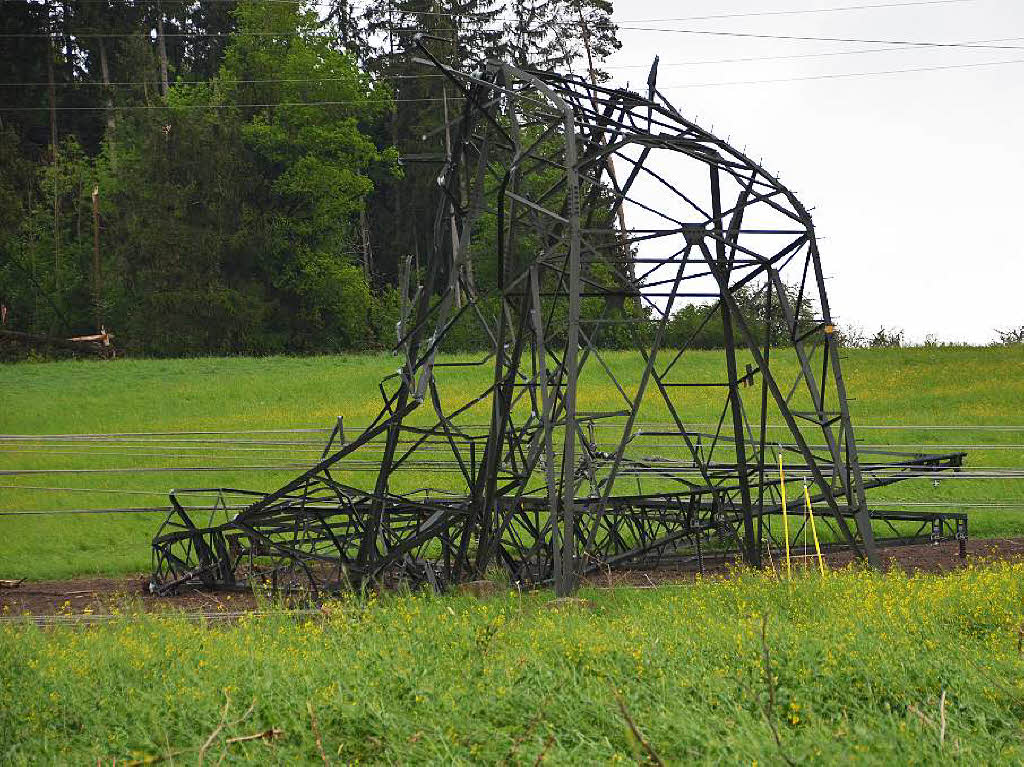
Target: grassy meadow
x: 864, y: 668
x: 917, y: 386
x: 854, y: 667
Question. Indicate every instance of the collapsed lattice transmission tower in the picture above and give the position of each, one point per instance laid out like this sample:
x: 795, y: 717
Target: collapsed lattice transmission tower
x: 546, y: 456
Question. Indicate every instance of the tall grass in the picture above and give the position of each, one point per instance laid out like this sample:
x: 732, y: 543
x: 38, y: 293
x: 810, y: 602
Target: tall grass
x: 865, y: 668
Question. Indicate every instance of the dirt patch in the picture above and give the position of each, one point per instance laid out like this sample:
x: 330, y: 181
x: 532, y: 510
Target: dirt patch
x: 108, y: 596
x: 926, y: 557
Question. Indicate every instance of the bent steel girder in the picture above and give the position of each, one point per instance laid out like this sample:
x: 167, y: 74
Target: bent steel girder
x: 563, y: 462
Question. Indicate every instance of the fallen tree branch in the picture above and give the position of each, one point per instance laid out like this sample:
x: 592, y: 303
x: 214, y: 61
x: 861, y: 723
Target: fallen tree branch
x: 770, y: 682
x: 636, y: 732
x: 512, y: 756
x: 316, y: 733
x: 265, y: 735
x: 272, y: 734
x: 942, y: 718
x: 216, y: 730
x: 544, y: 751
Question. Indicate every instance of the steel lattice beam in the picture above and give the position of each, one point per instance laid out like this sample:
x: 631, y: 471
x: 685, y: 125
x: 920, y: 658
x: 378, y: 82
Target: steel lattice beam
x: 543, y: 488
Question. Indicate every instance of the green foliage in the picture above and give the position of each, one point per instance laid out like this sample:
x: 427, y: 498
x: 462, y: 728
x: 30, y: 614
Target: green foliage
x: 883, y: 338
x: 385, y: 306
x: 334, y: 300
x: 226, y: 227
x: 864, y: 669
x: 254, y: 208
x: 15, y: 179
x: 1011, y: 337
x: 45, y: 279
x: 594, y: 38
x: 213, y: 318
x: 700, y: 326
x: 257, y: 205
x: 886, y: 339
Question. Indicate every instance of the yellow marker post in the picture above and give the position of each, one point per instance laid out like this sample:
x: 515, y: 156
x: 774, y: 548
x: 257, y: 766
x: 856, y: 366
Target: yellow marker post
x: 785, y: 517
x: 814, y: 531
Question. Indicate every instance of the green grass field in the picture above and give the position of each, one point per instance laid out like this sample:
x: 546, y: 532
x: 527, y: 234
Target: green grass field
x: 922, y: 386
x: 865, y: 668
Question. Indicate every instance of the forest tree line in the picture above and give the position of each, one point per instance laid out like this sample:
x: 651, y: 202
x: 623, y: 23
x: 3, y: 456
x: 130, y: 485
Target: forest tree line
x: 225, y: 177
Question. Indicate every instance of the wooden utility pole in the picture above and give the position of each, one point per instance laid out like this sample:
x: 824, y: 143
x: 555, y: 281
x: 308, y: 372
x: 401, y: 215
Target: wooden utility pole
x: 51, y: 54
x: 105, y: 73
x: 97, y: 273
x: 364, y: 229
x: 111, y: 119
x: 53, y: 99
x: 162, y: 47
x: 398, y: 240
x: 454, y: 230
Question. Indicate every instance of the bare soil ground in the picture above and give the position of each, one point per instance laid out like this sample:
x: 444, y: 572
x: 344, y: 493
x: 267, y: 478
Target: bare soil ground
x: 106, y: 596
x: 926, y: 558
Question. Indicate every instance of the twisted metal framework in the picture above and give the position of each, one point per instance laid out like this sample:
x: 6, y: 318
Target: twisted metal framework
x: 564, y: 463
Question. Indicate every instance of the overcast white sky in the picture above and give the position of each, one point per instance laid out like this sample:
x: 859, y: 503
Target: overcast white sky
x: 914, y: 178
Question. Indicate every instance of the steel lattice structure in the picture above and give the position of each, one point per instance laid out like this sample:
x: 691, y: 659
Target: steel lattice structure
x: 541, y: 477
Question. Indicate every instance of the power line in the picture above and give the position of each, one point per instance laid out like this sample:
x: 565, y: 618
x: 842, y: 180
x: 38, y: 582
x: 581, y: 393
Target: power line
x: 47, y: 488
x: 974, y: 473
x: 358, y: 426
x: 134, y: 510
x: 988, y: 503
x: 223, y: 106
x: 715, y: 16
x: 152, y: 469
x: 562, y: 22
x: 219, y: 81
x: 813, y: 38
x: 177, y: 615
x: 427, y: 75
x: 781, y: 57
x: 570, y: 23
x: 880, y: 502
x: 205, y: 2
x: 744, y: 14
x: 87, y: 435
x: 804, y: 11
x: 845, y: 75
x: 834, y: 76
